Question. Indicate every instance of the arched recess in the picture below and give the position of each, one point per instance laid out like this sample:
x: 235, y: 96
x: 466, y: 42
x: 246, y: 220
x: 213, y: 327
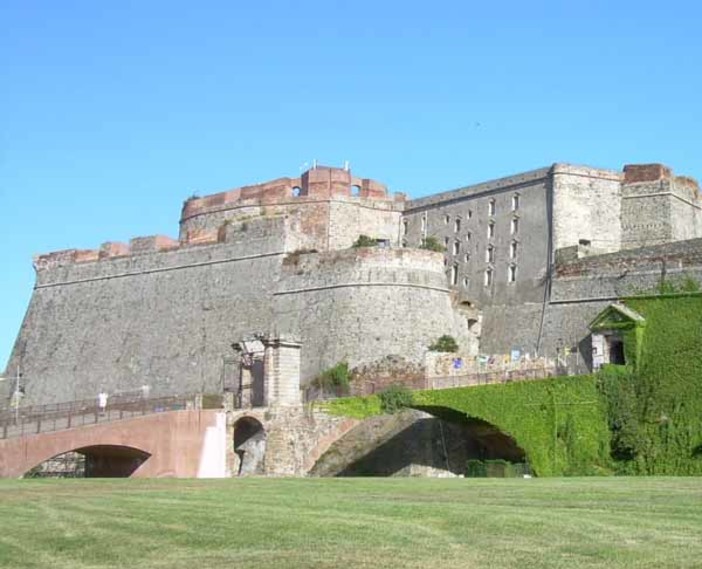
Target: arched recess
x: 250, y: 446
x: 95, y: 461
x: 485, y: 440
x: 427, y: 441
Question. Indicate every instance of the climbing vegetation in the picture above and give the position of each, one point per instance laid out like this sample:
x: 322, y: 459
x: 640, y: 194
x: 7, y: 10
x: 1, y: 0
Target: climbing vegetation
x: 395, y: 398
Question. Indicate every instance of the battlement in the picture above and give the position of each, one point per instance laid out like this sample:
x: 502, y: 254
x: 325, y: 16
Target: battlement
x: 320, y: 182
x: 115, y: 250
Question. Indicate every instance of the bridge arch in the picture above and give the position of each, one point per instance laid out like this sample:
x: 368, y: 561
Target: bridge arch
x: 175, y: 442
x: 428, y: 440
x: 94, y: 461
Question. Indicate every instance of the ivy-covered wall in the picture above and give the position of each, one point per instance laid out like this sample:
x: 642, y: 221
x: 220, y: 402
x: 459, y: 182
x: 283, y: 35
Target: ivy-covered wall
x: 643, y: 418
x: 559, y: 423
x: 655, y: 408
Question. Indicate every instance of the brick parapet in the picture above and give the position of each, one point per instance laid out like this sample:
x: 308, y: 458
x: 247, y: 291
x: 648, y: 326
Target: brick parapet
x: 318, y: 183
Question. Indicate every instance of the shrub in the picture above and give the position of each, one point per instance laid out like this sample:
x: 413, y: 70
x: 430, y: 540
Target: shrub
x: 334, y: 379
x: 445, y: 343
x: 432, y: 244
x: 364, y: 241
x: 395, y: 398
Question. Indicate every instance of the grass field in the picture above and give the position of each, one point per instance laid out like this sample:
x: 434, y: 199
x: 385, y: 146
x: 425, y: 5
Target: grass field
x: 325, y: 523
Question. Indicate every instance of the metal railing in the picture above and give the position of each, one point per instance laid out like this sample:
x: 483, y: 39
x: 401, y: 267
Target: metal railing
x: 35, y: 419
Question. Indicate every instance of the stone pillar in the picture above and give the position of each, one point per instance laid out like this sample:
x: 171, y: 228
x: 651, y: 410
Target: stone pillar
x: 281, y: 371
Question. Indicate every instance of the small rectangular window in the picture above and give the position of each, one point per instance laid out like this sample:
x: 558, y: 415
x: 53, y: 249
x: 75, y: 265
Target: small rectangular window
x: 491, y: 230
x: 456, y: 247
x: 454, y: 275
x: 488, y: 277
x: 513, y: 250
x: 512, y: 273
x: 491, y: 207
x: 515, y: 225
x: 515, y: 202
x: 404, y: 227
x: 424, y: 223
x: 457, y: 225
x: 490, y: 254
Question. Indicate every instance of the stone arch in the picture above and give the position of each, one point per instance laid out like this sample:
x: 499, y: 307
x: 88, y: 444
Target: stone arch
x: 93, y: 461
x: 296, y: 191
x: 249, y: 442
x: 429, y: 441
x: 355, y: 190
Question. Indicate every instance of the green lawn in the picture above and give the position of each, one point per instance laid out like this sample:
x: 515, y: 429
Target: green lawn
x: 282, y: 523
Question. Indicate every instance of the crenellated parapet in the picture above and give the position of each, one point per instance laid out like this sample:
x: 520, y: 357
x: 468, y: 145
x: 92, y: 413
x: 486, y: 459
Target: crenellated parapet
x: 116, y: 250
x: 321, y: 182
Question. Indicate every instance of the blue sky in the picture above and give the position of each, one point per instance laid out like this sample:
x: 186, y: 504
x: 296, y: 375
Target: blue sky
x: 112, y: 113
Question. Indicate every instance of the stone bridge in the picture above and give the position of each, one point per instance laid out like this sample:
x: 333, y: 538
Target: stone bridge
x: 194, y: 443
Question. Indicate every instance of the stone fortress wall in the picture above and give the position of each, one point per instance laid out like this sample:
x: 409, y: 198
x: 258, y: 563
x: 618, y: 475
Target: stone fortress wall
x: 269, y: 258
x: 530, y: 260
x: 519, y: 248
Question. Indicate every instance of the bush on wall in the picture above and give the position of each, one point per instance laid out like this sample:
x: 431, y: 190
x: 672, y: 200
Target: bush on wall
x: 445, y: 343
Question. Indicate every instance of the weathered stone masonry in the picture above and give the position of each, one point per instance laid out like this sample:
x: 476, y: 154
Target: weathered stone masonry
x: 530, y: 260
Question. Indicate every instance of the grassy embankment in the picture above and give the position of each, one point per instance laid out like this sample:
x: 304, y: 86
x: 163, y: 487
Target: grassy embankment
x: 325, y: 523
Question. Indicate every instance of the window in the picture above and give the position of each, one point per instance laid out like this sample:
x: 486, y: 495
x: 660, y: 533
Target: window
x: 468, y: 236
x: 466, y: 282
x: 513, y: 250
x: 404, y: 227
x: 488, y: 277
x: 491, y: 230
x: 454, y: 274
x: 515, y: 202
x: 447, y: 219
x: 470, y: 213
x: 515, y: 225
x: 404, y: 243
x: 490, y: 254
x: 457, y: 225
x: 512, y: 273
x: 467, y: 257
x: 424, y: 223
x: 491, y: 207
x: 456, y: 247
x: 446, y: 240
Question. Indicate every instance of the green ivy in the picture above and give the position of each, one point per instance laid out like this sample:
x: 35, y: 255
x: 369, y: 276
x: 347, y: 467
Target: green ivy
x: 559, y: 423
x: 655, y: 409
x: 395, y: 398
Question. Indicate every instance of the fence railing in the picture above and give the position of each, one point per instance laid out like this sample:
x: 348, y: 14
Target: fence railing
x: 35, y: 419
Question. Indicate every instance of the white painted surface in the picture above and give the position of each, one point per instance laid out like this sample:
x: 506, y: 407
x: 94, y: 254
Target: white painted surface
x: 213, y: 463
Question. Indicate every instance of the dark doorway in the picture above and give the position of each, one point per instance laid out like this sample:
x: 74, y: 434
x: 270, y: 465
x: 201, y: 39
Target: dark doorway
x: 616, y: 350
x: 250, y: 446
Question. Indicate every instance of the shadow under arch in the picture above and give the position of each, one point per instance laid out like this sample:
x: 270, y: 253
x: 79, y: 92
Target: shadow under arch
x: 94, y: 461
x: 486, y: 440
x: 250, y: 445
x: 429, y: 441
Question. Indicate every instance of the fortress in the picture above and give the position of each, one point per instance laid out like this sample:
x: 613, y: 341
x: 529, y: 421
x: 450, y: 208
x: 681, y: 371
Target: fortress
x: 530, y: 260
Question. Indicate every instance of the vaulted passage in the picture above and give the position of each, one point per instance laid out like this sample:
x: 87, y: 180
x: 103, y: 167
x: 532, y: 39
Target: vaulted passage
x: 99, y: 461
x: 433, y: 441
